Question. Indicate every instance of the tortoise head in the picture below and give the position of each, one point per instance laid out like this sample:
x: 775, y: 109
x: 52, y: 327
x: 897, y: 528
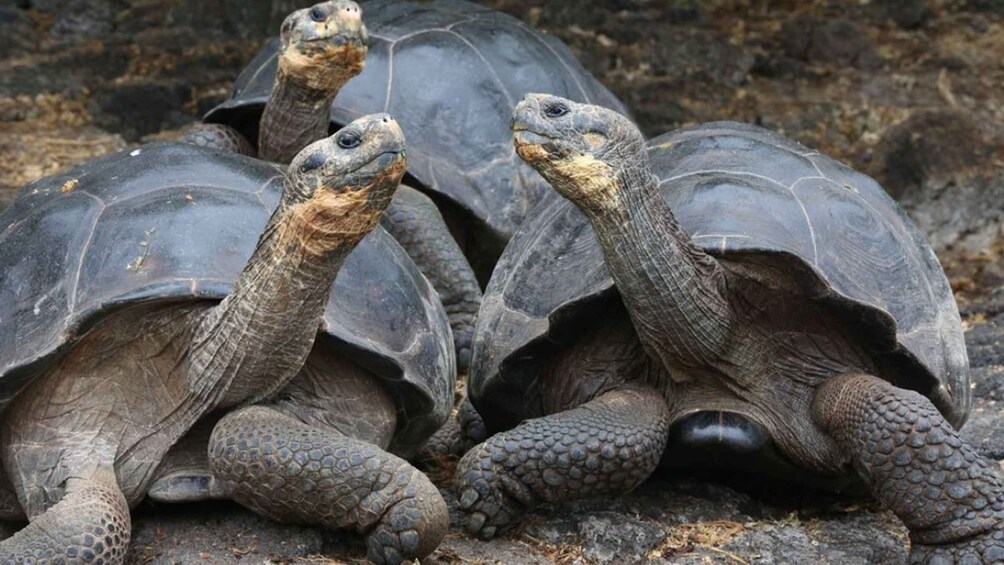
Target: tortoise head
x: 339, y: 186
x: 325, y: 45
x: 583, y: 151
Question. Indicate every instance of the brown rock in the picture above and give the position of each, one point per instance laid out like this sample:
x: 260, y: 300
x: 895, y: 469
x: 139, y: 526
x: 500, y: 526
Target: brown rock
x: 833, y: 41
x: 930, y: 147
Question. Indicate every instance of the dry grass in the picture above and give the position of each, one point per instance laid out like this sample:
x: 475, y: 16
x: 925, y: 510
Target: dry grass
x: 41, y: 135
x: 326, y: 560
x: 440, y: 469
x: 556, y: 552
x: 709, y: 536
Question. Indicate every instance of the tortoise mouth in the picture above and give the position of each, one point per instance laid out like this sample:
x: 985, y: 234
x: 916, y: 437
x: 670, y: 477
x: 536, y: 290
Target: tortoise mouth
x: 347, y: 39
x: 381, y: 160
x: 522, y: 136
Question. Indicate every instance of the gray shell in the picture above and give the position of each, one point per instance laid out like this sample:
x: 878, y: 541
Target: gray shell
x: 451, y: 73
x: 738, y: 190
x: 172, y: 222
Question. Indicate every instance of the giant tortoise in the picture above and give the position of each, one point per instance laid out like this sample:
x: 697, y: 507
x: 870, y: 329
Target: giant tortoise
x: 737, y: 296
x: 451, y: 72
x: 135, y: 306
x: 318, y: 50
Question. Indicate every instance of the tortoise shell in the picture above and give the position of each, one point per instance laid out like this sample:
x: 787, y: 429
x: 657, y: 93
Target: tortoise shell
x: 451, y: 72
x: 740, y: 191
x: 174, y: 222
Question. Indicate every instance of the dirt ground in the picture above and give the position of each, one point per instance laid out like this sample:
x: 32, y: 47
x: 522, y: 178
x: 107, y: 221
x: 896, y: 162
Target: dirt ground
x: 909, y: 91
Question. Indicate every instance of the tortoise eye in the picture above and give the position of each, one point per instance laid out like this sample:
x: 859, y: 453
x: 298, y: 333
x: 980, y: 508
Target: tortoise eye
x: 555, y: 110
x: 317, y: 15
x: 349, y: 140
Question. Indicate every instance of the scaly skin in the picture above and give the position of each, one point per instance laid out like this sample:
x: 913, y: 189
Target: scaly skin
x: 608, y: 445
x: 446, y: 442
x: 291, y: 472
x: 219, y: 136
x: 915, y: 463
x: 472, y: 426
x: 457, y: 436
x: 89, y: 525
x: 415, y: 222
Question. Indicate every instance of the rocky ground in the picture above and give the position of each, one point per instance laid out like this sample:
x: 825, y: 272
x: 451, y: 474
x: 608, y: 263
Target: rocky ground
x: 910, y: 91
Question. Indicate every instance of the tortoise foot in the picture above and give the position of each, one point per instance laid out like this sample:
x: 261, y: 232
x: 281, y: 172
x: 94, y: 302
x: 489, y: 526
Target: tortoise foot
x: 89, y: 525
x: 406, y: 530
x: 491, y: 500
x: 608, y: 445
x: 986, y: 548
x: 950, y: 498
x: 292, y: 472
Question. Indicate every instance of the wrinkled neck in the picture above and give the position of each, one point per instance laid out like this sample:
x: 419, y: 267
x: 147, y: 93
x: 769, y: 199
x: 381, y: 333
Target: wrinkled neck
x: 296, y: 115
x: 257, y: 339
x: 674, y: 292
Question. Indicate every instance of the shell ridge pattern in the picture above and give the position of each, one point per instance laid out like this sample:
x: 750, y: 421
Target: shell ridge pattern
x: 393, y: 42
x: 889, y: 224
x: 261, y: 191
x: 808, y: 222
x: 892, y: 229
x: 809, y: 156
x: 549, y: 211
x: 724, y: 237
x: 913, y: 250
x: 790, y: 189
x: 491, y: 69
x: 84, y: 250
x: 466, y: 20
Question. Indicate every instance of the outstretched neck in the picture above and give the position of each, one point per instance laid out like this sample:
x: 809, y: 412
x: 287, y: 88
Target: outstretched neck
x: 674, y: 292
x: 252, y: 343
x: 297, y: 113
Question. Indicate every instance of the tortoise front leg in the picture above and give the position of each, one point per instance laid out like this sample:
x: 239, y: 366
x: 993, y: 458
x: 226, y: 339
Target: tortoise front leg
x: 90, y: 524
x: 415, y: 222
x: 608, y: 445
x: 291, y: 472
x: 915, y: 463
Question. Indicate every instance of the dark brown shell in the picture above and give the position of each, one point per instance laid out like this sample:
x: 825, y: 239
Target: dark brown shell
x: 739, y: 190
x: 172, y: 222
